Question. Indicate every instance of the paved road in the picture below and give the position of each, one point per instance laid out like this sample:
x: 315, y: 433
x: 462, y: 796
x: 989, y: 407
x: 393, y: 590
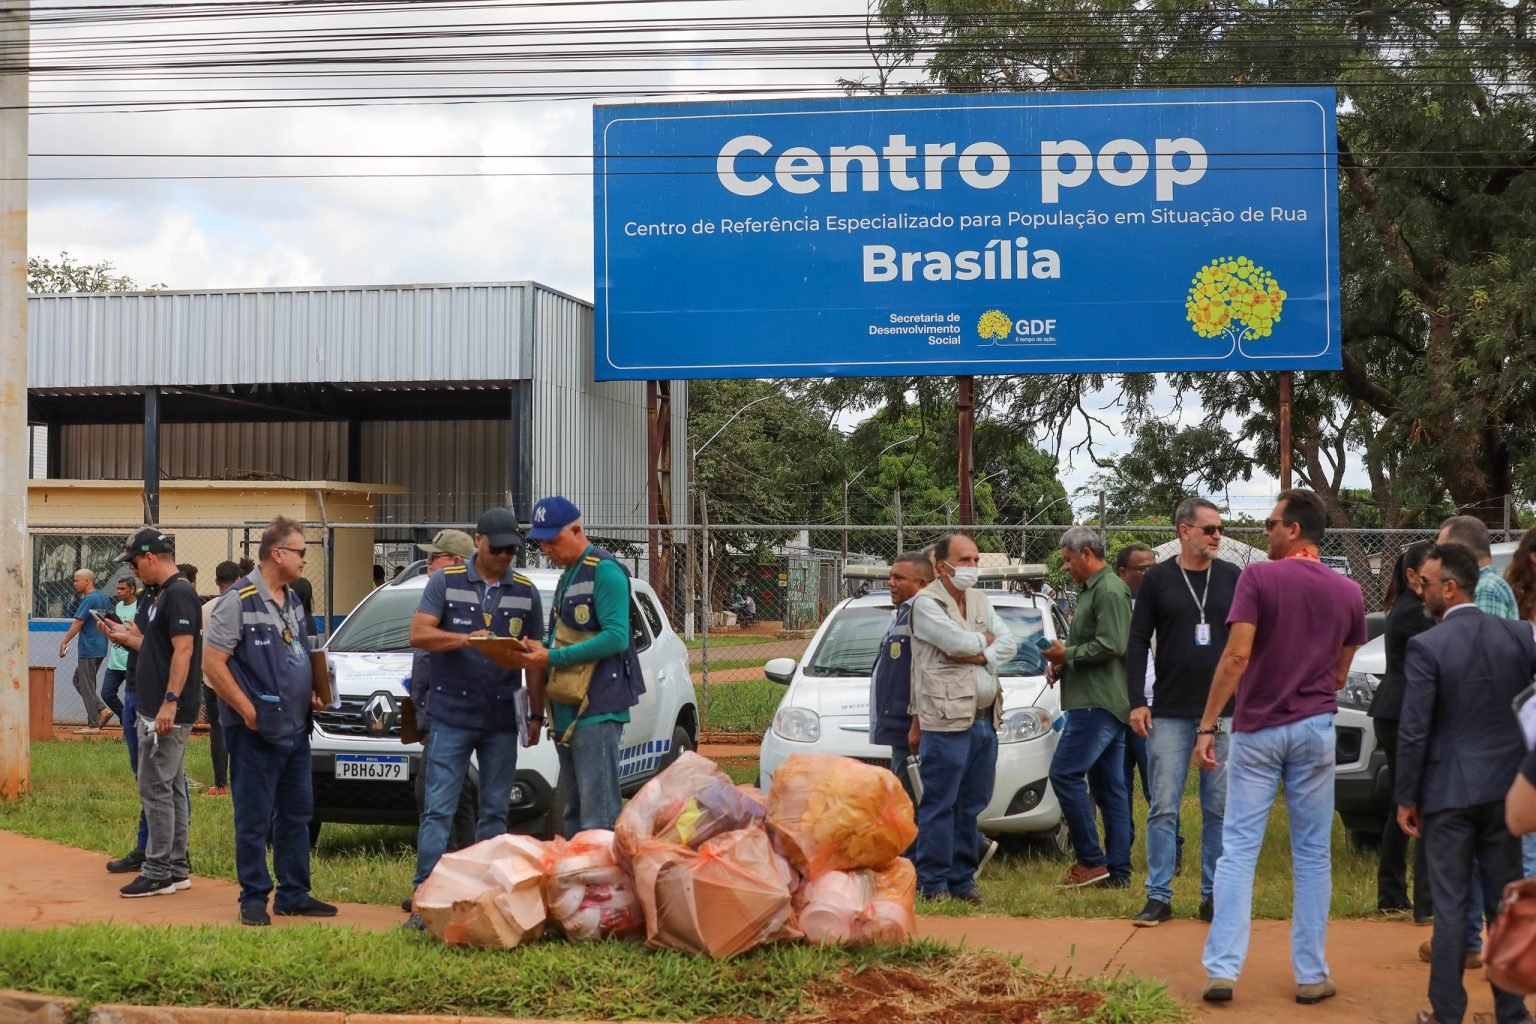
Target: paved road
x: 1380, y: 978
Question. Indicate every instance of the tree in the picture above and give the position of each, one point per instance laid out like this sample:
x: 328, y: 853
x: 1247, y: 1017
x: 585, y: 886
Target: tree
x: 46, y: 277
x: 1437, y: 159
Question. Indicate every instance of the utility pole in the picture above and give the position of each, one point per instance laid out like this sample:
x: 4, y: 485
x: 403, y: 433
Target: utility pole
x: 901, y: 545
x: 16, y: 596
x: 1285, y: 430
x: 964, y: 404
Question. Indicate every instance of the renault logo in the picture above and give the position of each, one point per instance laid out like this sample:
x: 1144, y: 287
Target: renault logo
x: 379, y: 714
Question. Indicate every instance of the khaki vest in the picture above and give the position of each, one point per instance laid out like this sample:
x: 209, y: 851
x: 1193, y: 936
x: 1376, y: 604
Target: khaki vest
x: 944, y: 691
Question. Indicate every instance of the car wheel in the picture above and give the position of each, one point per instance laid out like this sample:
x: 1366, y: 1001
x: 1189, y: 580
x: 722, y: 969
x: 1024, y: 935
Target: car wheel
x: 682, y: 740
x: 314, y: 832
x: 1061, y: 839
x: 1360, y: 839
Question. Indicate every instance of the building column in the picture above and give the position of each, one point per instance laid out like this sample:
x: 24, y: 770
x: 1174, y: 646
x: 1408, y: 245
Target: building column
x: 152, y: 454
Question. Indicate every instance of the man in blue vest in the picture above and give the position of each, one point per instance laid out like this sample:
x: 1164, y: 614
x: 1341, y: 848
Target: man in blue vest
x: 257, y: 661
x: 890, y: 683
x: 590, y: 627
x: 473, y: 700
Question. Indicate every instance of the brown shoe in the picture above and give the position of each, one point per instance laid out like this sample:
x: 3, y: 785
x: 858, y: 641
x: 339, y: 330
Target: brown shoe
x: 1473, y: 961
x: 1082, y: 875
x: 971, y: 896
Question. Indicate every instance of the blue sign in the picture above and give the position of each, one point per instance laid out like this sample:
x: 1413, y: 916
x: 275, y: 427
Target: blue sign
x: 1042, y: 233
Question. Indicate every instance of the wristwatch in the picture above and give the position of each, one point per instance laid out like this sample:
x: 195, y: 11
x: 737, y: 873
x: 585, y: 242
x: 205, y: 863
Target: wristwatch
x: 171, y: 698
x: 1214, y: 730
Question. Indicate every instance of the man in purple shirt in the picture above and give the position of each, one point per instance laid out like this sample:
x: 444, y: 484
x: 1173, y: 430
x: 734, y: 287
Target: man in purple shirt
x: 1293, y: 629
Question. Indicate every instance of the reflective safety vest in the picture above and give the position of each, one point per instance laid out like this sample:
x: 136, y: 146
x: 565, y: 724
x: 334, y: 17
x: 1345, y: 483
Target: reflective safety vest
x: 469, y: 691
x: 890, y: 684
x: 272, y: 657
x: 617, y: 681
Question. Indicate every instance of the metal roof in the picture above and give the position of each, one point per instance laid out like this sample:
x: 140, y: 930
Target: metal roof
x: 395, y: 334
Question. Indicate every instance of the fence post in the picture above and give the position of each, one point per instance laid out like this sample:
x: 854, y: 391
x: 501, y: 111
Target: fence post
x: 1509, y: 508
x: 330, y: 579
x: 1103, y: 519
x: 704, y: 630
x: 900, y: 537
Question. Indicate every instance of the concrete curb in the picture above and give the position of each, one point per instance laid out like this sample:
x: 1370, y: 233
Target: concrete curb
x: 32, y: 1008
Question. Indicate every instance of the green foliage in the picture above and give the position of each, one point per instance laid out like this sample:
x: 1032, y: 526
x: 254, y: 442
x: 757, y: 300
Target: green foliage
x: 1437, y: 157
x: 47, y: 277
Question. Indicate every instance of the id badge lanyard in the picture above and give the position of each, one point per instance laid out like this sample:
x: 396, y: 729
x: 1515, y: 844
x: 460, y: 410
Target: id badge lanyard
x: 1203, y: 630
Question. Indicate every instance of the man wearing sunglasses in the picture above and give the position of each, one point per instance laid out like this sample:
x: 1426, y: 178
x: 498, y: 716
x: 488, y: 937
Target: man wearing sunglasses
x: 258, y: 663
x: 473, y: 700
x: 1181, y: 608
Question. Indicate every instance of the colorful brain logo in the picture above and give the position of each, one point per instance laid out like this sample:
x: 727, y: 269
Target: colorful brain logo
x: 1232, y: 296
x: 994, y: 323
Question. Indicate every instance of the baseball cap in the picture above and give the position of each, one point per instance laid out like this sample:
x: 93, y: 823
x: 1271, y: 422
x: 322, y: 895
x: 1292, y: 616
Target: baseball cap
x: 147, y: 540
x: 551, y: 515
x: 226, y: 572
x: 451, y: 542
x: 499, y: 526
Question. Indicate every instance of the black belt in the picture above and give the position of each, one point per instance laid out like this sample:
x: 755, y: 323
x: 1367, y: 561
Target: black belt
x: 985, y: 712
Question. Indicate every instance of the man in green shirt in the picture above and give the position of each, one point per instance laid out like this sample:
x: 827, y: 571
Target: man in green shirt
x: 1091, y: 751
x: 589, y: 632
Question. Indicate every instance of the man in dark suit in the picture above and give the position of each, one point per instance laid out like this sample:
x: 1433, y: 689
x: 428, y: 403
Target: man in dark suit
x: 1459, y: 748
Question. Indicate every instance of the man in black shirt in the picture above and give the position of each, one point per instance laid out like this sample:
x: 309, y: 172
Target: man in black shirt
x: 1183, y: 603
x: 166, y: 672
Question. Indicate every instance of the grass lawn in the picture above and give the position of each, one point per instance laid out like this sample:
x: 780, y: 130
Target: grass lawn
x: 727, y: 640
x: 83, y: 796
x: 404, y: 972
x: 740, y: 707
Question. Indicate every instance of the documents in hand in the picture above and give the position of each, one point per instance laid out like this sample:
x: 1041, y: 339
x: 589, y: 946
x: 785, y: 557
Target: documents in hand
x: 503, y: 650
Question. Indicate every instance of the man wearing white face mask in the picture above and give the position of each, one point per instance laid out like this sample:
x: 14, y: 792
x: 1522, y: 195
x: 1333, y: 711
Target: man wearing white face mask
x: 958, y: 641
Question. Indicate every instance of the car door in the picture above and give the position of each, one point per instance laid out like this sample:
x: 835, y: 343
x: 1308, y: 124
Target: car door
x: 639, y: 749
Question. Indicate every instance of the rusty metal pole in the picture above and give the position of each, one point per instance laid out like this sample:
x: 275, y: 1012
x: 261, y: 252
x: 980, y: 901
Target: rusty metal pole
x: 1285, y: 430
x: 16, y: 594
x: 967, y: 427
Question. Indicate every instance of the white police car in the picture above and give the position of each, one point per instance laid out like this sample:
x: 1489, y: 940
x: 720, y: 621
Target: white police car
x: 826, y: 708
x: 363, y: 774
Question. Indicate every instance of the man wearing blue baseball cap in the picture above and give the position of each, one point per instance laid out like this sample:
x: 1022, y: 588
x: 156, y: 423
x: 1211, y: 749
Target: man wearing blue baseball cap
x: 593, y: 670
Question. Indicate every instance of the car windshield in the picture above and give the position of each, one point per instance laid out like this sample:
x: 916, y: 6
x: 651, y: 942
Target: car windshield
x: 853, y: 639
x: 383, y: 622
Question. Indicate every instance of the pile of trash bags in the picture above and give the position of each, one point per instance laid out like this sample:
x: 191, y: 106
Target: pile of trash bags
x: 699, y: 864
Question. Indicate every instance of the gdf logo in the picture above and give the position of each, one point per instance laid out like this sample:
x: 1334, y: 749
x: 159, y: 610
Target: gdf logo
x: 1027, y: 328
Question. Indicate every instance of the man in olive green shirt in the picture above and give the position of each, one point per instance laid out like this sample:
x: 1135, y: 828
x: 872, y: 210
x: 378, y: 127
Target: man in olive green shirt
x: 1091, y: 752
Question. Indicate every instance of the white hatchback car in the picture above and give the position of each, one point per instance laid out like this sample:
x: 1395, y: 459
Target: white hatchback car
x: 826, y: 708
x: 363, y: 774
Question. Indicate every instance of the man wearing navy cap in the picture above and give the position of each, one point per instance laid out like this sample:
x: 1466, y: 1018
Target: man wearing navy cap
x: 590, y: 627
x: 473, y: 700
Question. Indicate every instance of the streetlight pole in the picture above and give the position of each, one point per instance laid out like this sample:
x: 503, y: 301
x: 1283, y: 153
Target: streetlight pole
x: 848, y: 483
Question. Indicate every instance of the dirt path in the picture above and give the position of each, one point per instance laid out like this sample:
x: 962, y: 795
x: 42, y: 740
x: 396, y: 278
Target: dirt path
x: 1375, y: 963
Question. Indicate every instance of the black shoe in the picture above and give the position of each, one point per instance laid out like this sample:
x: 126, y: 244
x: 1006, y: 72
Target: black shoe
x: 181, y: 882
x: 254, y: 914
x: 415, y: 923
x: 405, y: 904
x: 127, y: 864
x: 309, y: 907
x: 143, y: 886
x: 971, y: 896
x: 1392, y: 906
x: 1207, y: 911
x: 1113, y: 882
x: 1153, y: 914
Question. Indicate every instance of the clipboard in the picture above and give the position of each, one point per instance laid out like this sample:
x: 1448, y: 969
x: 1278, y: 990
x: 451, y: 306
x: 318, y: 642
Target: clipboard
x: 320, y: 678
x: 503, y: 650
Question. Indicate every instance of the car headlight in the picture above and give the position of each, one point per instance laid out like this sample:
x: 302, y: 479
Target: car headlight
x: 797, y: 725
x: 1022, y: 724
x: 1359, y: 689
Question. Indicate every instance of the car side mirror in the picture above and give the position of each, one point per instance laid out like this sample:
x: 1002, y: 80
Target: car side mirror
x: 780, y: 670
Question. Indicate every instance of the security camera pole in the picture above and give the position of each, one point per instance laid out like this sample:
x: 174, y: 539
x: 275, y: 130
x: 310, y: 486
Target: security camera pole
x: 16, y: 596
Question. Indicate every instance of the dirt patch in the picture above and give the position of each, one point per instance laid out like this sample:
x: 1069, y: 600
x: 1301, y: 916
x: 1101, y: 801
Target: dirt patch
x: 731, y: 738
x: 971, y: 988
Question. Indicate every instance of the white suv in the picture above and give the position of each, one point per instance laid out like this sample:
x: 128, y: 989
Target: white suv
x: 363, y: 774
x: 826, y: 709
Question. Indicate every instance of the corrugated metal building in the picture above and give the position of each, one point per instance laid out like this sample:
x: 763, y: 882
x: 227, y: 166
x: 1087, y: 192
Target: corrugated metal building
x: 465, y: 394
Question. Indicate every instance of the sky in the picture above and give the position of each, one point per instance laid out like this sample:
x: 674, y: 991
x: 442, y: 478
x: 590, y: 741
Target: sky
x: 348, y: 230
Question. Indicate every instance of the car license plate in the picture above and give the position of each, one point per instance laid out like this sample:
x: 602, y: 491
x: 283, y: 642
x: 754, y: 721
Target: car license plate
x: 372, y: 767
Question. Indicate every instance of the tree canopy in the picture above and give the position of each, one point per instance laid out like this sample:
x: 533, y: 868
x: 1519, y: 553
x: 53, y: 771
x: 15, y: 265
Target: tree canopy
x: 67, y: 274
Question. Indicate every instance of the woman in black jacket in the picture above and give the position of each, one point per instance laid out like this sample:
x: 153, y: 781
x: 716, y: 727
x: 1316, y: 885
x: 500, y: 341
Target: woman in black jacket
x: 1405, y: 618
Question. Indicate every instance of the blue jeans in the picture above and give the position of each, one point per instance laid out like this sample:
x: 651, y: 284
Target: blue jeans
x: 446, y: 764
x: 1169, y: 746
x: 272, y: 795
x: 1528, y: 854
x: 1091, y: 752
x: 111, y: 682
x: 591, y: 767
x: 131, y: 741
x: 958, y: 771
x: 1299, y: 754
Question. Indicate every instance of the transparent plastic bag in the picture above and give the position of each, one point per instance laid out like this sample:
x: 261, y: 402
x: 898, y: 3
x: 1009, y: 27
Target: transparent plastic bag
x: 688, y: 804
x: 829, y: 813
x: 849, y: 908
x: 488, y: 895
x: 590, y: 897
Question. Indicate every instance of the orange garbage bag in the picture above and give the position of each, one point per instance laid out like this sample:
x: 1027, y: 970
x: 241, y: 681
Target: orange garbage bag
x: 689, y: 803
x: 849, y: 908
x: 488, y: 895
x: 729, y: 896
x: 589, y: 896
x: 829, y: 813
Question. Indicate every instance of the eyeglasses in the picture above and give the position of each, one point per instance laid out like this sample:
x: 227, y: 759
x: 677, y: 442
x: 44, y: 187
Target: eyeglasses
x: 297, y: 551
x: 1137, y: 568
x: 505, y: 549
x: 1270, y: 524
x: 1211, y: 530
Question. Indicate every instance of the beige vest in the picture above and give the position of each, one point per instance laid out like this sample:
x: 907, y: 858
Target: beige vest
x: 944, y: 691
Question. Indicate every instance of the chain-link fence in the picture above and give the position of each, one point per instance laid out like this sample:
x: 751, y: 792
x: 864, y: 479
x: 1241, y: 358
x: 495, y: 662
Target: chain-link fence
x: 751, y: 594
